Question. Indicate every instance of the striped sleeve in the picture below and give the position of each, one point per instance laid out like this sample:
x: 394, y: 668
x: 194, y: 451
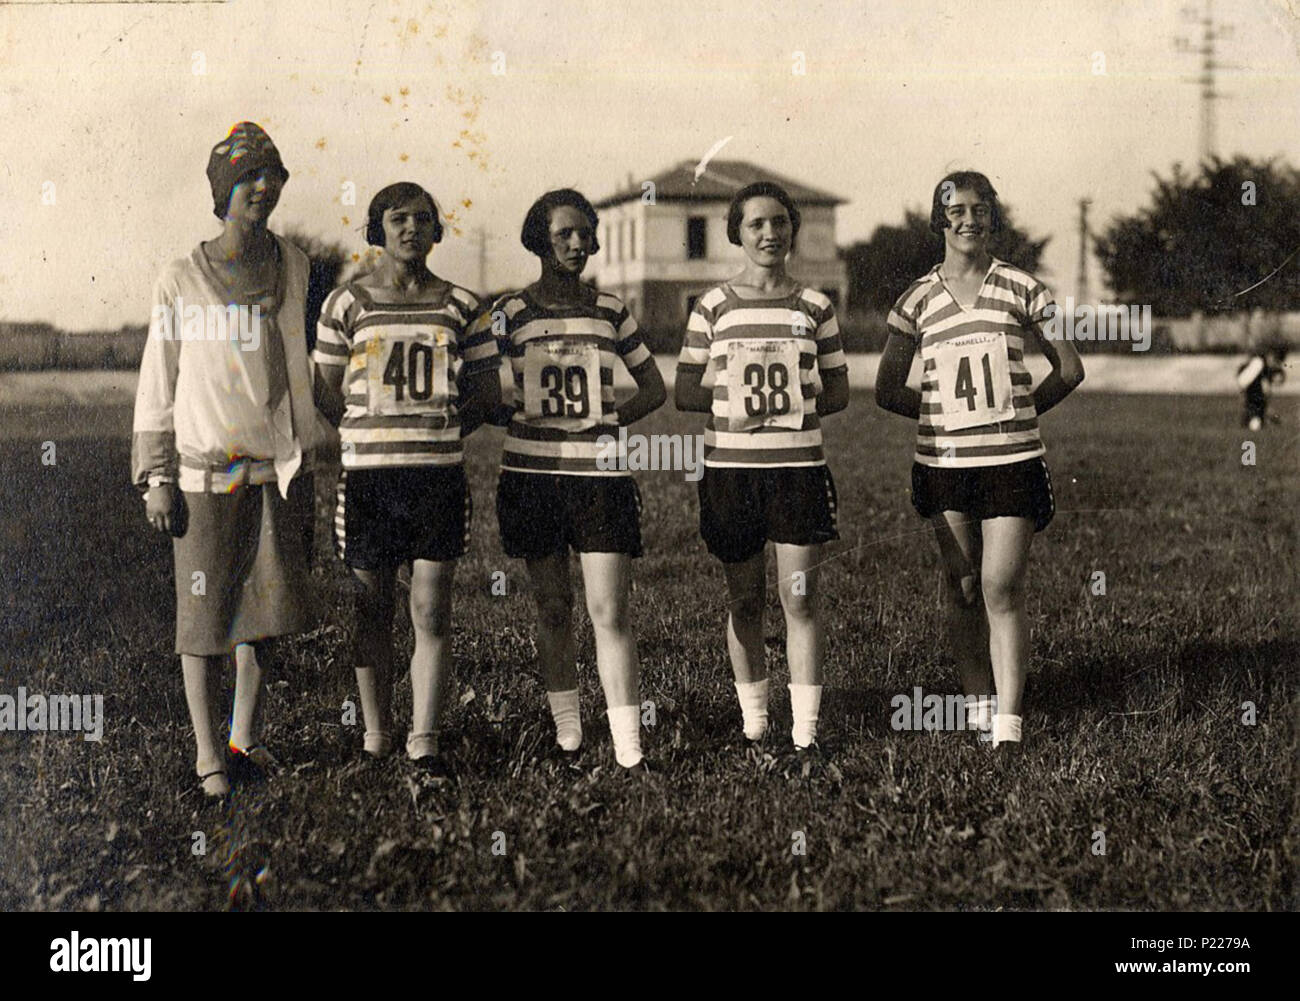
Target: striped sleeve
x: 902, y: 318
x: 830, y: 345
x: 333, y: 339
x: 699, y: 333
x: 627, y: 338
x: 1037, y: 301
x: 478, y: 348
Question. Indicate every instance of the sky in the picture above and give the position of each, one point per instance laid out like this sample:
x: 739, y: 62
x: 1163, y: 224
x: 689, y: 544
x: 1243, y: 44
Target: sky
x: 109, y: 111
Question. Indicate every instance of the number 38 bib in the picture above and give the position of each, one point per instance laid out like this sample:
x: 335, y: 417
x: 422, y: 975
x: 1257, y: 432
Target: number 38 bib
x: 763, y: 388
x: 562, y: 384
x: 974, y: 380
x: 407, y: 372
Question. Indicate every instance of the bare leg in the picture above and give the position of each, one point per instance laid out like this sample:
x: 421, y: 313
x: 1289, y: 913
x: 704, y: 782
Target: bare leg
x: 374, y: 654
x: 553, y: 593
x: 197, y: 672
x: 245, y: 718
x: 1006, y: 556
x: 431, y: 663
x: 968, y: 632
x: 797, y: 580
x: 745, y: 585
x: 608, y: 580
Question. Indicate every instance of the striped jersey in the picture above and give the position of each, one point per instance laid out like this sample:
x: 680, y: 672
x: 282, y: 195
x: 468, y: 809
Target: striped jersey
x: 976, y: 405
x: 403, y: 362
x: 765, y: 359
x: 562, y: 359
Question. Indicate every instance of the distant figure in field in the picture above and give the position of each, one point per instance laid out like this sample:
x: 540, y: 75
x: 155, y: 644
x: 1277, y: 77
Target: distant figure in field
x: 1256, y: 377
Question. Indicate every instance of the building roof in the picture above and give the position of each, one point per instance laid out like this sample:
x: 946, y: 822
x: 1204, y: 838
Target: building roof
x: 721, y: 179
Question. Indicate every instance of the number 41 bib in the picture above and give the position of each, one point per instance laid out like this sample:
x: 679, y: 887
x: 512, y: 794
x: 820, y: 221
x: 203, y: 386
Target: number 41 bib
x: 406, y: 372
x: 974, y: 380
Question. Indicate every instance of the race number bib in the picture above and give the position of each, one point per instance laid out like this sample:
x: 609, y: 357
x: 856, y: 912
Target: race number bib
x: 407, y: 373
x: 974, y: 380
x: 562, y: 384
x: 763, y: 388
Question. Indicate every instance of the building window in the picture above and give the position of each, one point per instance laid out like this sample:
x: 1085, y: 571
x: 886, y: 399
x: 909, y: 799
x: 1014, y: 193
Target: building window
x: 631, y: 239
x: 696, y: 244
x: 833, y: 294
x: 604, y: 243
x: 618, y: 240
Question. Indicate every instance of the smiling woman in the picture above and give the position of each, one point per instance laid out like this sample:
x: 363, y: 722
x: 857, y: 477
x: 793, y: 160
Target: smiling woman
x: 979, y: 475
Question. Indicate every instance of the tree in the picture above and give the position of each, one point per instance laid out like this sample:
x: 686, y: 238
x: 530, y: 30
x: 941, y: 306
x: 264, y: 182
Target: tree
x: 1203, y: 240
x: 881, y: 268
x: 327, y: 262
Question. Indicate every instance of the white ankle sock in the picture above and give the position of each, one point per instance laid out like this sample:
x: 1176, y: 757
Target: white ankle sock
x: 1006, y: 728
x: 979, y: 712
x: 805, y: 702
x: 421, y: 745
x: 378, y: 743
x: 753, y: 707
x: 568, y: 720
x: 625, y: 728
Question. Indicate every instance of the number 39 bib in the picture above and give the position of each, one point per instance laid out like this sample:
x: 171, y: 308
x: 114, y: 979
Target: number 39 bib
x: 974, y: 380
x: 407, y: 372
x: 562, y: 384
x: 763, y: 388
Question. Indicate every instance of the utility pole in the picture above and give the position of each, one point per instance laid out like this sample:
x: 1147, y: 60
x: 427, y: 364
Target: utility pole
x: 1211, y: 32
x: 1083, y: 294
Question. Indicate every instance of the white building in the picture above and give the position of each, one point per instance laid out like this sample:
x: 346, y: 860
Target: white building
x: 664, y: 240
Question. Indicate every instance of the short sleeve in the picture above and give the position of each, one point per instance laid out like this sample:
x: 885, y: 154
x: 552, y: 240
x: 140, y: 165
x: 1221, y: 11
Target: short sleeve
x: 699, y: 335
x: 333, y: 338
x: 901, y: 318
x: 478, y: 348
x: 830, y: 345
x: 627, y: 339
x: 1039, y: 305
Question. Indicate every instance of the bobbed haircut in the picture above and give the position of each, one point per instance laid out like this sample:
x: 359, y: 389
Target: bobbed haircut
x: 963, y: 180
x: 535, y: 234
x: 760, y: 189
x: 391, y: 197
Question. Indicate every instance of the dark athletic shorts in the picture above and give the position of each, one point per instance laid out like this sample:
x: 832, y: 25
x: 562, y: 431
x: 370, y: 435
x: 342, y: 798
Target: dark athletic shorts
x: 386, y: 517
x: 1013, y: 490
x: 540, y: 514
x: 743, y: 508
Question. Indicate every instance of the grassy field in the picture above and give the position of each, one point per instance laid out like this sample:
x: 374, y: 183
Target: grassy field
x: 1134, y: 720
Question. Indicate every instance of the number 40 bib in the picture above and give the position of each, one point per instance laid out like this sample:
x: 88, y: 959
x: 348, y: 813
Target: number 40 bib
x: 974, y: 380
x: 406, y: 373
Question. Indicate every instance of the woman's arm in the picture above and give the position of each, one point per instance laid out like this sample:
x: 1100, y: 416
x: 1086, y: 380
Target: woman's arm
x: 688, y: 393
x: 892, y: 391
x: 480, y: 397
x: 154, y: 461
x: 1066, y: 374
x: 327, y: 391
x: 834, y: 396
x: 649, y: 396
